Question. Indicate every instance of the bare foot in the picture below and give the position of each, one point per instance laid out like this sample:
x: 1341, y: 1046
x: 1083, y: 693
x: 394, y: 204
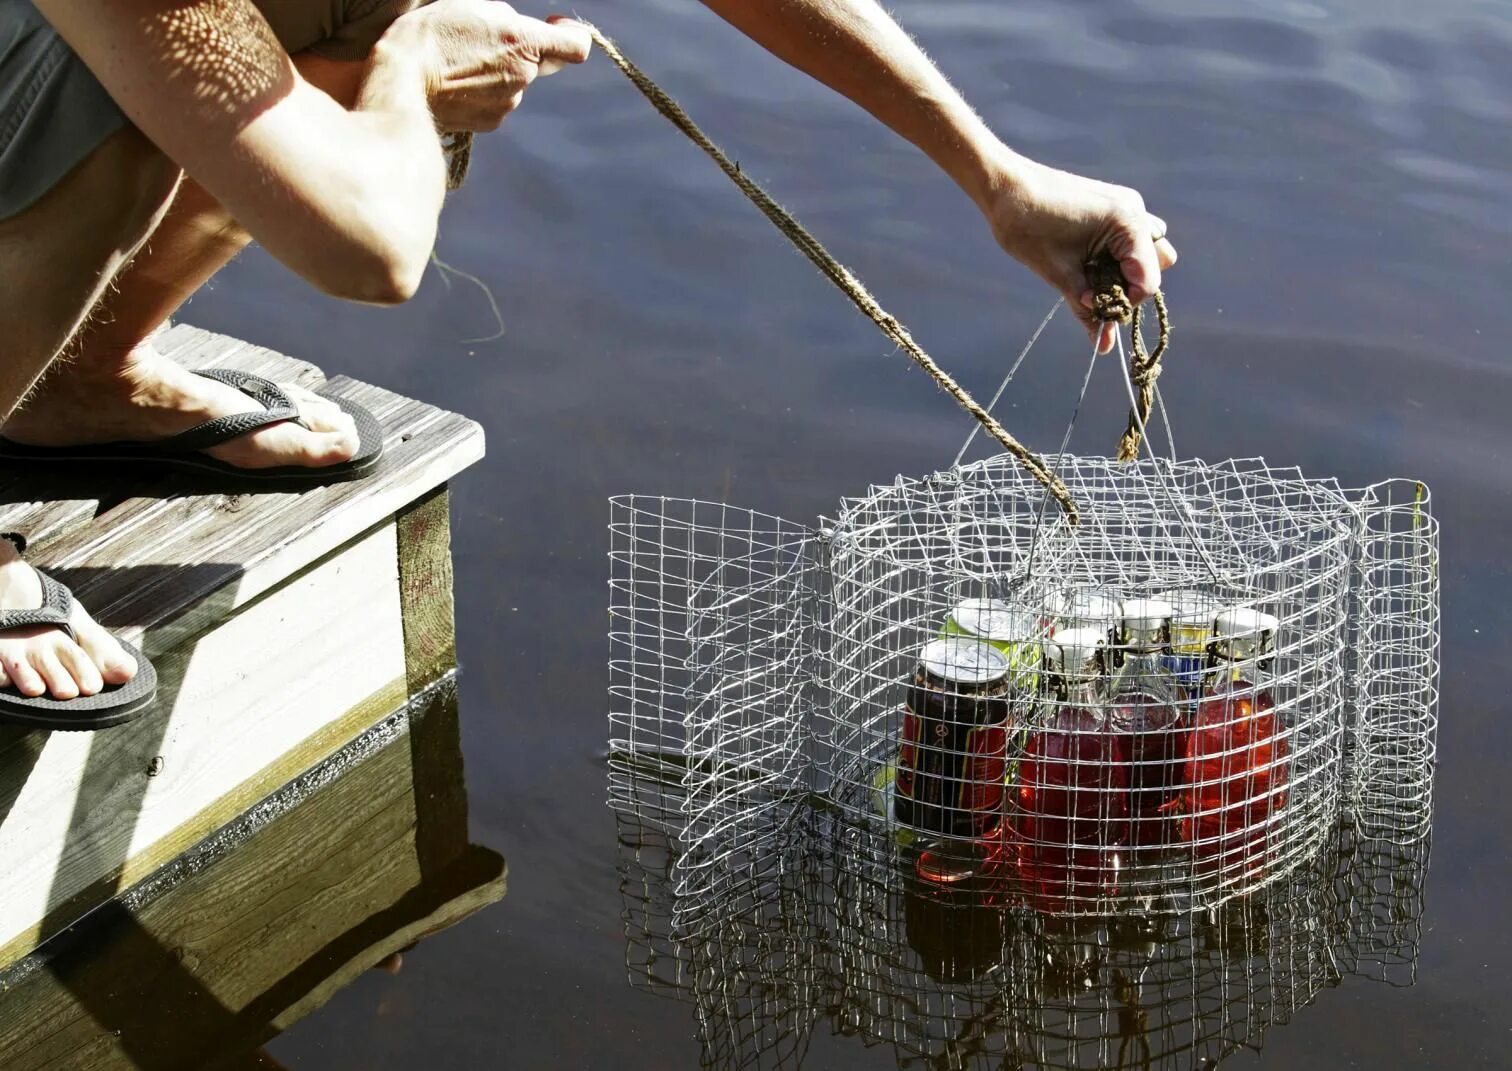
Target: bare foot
x: 41, y: 659
x: 144, y: 396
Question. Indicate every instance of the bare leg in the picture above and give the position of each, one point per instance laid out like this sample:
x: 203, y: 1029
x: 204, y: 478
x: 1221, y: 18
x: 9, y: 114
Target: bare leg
x: 117, y: 387
x: 56, y: 260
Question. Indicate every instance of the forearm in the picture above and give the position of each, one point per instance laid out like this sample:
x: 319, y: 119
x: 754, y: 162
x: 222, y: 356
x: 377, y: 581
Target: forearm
x: 853, y: 47
x: 364, y: 184
x: 347, y: 198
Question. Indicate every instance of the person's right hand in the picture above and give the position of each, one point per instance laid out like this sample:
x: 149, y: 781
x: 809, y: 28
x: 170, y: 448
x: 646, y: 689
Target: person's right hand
x: 480, y: 55
x: 1055, y: 222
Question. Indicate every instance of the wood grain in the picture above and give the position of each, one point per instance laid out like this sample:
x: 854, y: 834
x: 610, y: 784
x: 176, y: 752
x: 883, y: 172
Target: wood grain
x: 275, y: 622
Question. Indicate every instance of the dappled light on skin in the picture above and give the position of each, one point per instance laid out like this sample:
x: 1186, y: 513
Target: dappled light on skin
x: 226, y: 52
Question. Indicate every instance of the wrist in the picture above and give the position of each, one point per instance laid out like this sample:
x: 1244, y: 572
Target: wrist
x: 1000, y: 179
x: 398, y: 77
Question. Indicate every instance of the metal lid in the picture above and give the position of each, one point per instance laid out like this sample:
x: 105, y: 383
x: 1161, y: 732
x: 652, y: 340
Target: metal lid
x: 1093, y: 605
x: 1191, y: 607
x: 1245, y: 630
x: 1074, y: 649
x: 963, y: 660
x: 993, y: 619
x: 1144, y: 615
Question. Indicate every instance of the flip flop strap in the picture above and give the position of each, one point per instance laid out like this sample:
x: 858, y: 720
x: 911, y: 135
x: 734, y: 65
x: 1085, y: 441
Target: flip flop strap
x: 277, y: 407
x: 57, y: 603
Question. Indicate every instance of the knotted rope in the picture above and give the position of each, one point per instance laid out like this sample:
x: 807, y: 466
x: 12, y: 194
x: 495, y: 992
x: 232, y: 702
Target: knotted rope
x: 1110, y: 302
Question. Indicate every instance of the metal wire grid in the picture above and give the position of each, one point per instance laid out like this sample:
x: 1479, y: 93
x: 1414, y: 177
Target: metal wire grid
x: 760, y: 662
x: 826, y: 939
x: 1395, y: 723
x: 902, y: 557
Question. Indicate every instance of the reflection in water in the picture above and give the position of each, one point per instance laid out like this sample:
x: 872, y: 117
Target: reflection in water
x: 200, y: 965
x: 815, y: 933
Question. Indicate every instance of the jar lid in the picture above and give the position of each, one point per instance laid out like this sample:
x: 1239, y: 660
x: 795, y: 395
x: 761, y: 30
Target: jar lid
x: 1074, y: 649
x: 1144, y: 615
x: 1192, y: 607
x: 963, y: 660
x: 993, y: 619
x: 1085, y: 606
x: 1245, y: 630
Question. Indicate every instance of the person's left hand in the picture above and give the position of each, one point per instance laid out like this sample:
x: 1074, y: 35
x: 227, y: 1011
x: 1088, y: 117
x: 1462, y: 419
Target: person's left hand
x: 1054, y: 222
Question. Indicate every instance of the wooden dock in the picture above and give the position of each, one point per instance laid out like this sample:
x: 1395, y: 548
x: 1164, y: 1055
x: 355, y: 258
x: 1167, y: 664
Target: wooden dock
x: 293, y: 635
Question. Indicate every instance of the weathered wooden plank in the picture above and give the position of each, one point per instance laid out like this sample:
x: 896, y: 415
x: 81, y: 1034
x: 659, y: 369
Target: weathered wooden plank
x: 42, y: 502
x: 250, y: 543
x: 244, y: 708
x: 425, y: 589
x: 241, y: 945
x: 194, y: 347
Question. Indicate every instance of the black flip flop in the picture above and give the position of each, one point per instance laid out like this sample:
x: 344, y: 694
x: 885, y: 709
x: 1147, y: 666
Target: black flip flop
x: 116, y: 704
x: 182, y: 451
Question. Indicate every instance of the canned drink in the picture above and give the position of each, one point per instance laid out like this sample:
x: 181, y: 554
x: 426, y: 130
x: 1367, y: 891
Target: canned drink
x: 1015, y: 633
x: 953, y: 763
x: 1084, y: 607
x: 1192, y: 614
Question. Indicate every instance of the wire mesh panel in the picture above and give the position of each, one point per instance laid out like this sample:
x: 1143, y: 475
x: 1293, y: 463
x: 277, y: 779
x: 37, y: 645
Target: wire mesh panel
x: 1396, y: 724
x: 1153, y: 712
x: 709, y: 671
x: 951, y: 978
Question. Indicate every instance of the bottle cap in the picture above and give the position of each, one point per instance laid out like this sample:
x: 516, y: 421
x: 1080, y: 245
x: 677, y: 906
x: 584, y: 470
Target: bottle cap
x: 1191, y: 607
x: 1144, y: 615
x: 1083, y: 608
x: 993, y: 619
x: 963, y: 660
x: 1245, y: 630
x: 1074, y: 650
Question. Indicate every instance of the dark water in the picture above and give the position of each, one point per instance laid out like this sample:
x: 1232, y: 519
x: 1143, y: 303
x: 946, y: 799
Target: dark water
x: 1338, y: 177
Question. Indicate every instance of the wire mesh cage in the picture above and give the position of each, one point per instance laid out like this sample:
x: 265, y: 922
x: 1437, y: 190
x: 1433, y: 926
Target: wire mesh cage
x: 1151, y: 712
x: 822, y: 943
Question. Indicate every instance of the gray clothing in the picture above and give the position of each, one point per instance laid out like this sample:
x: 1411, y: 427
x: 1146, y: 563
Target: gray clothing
x: 54, y: 112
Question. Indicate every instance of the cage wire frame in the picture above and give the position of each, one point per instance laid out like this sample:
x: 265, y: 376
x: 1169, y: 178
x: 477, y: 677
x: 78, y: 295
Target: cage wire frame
x: 758, y: 663
x: 822, y: 939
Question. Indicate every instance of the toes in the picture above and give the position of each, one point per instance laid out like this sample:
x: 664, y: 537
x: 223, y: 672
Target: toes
x: 27, y: 680
x: 332, y: 447
x: 59, y: 681
x: 110, y: 658
x: 81, y: 667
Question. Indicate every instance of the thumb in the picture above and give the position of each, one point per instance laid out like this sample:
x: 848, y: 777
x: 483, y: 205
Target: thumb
x: 1140, y: 264
x: 560, y: 41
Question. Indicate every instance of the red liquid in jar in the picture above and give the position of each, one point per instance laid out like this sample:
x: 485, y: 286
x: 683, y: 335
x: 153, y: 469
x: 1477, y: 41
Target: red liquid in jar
x: 1236, y: 771
x: 1072, y: 809
x: 1154, y: 746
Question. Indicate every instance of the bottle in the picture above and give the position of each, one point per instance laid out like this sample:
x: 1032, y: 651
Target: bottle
x: 1014, y: 632
x: 1081, y: 607
x: 953, y: 762
x: 1237, y: 756
x: 1143, y: 701
x: 1192, y: 614
x: 1071, y: 799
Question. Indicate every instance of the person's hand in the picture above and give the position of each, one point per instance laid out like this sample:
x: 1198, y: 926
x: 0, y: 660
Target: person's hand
x: 481, y: 55
x: 1054, y: 222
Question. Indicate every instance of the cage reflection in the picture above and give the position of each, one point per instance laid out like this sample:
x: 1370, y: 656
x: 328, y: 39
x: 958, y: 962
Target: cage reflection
x: 822, y: 930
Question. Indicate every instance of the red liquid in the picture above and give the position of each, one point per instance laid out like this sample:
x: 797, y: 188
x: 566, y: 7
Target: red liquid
x: 1237, y: 771
x: 1155, y: 749
x: 1072, y: 811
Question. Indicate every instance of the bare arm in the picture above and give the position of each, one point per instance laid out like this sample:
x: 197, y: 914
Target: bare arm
x: 1051, y: 220
x: 347, y: 198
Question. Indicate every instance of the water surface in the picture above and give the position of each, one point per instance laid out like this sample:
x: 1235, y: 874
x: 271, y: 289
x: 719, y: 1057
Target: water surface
x: 1336, y: 175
